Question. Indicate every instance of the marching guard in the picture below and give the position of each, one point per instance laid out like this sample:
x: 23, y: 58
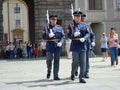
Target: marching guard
x: 55, y: 37
x: 79, y: 34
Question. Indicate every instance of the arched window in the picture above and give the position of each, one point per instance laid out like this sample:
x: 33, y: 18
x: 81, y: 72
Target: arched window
x: 17, y: 9
x: 118, y: 4
x: 95, y: 4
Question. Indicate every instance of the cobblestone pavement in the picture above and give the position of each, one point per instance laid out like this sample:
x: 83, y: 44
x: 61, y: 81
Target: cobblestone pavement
x: 31, y: 75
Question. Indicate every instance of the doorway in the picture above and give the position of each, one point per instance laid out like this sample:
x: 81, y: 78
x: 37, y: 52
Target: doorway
x: 97, y: 28
x: 18, y: 35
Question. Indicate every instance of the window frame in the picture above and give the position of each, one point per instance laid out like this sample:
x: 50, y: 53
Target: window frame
x: 95, y: 6
x: 17, y: 9
x: 117, y: 4
x: 17, y: 23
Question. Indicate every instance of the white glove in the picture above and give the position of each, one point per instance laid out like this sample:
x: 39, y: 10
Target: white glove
x: 93, y: 44
x: 76, y: 34
x: 82, y: 39
x: 51, y: 35
x: 59, y: 44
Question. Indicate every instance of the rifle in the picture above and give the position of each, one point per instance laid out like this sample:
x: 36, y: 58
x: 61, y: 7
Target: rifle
x: 72, y: 11
x: 76, y: 29
x: 48, y: 18
x: 48, y: 21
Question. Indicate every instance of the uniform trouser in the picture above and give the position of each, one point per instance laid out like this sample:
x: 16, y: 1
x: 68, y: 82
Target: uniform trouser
x: 87, y: 63
x: 50, y: 57
x: 79, y: 59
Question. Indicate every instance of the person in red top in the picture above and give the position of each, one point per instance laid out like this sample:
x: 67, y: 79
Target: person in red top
x: 36, y: 51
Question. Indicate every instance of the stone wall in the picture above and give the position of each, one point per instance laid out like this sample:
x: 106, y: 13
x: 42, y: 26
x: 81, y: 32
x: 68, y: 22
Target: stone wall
x: 1, y: 27
x: 59, y: 7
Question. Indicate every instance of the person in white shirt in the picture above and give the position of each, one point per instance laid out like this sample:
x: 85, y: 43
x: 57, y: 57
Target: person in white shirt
x: 11, y: 48
x: 67, y: 47
x: 43, y: 48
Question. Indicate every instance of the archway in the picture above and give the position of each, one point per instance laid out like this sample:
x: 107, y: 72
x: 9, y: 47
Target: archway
x: 30, y: 4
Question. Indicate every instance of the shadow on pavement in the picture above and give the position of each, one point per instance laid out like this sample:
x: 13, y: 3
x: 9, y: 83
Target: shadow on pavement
x: 44, y: 82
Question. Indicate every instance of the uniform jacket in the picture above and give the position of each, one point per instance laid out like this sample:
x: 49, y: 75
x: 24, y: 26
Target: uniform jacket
x: 77, y: 45
x: 51, y: 46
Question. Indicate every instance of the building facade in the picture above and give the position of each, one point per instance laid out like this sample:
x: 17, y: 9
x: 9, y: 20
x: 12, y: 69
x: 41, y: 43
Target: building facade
x: 101, y: 15
x: 24, y: 19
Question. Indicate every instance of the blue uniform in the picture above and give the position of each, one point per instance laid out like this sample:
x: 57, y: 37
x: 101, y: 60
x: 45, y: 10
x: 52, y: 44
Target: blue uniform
x: 89, y: 47
x: 53, y: 51
x: 76, y: 45
x: 78, y: 48
x: 91, y: 39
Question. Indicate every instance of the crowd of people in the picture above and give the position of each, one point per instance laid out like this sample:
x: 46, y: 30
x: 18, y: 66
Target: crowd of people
x: 18, y: 50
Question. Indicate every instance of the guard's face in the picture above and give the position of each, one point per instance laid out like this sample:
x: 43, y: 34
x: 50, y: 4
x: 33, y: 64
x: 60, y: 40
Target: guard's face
x: 53, y: 21
x: 77, y: 19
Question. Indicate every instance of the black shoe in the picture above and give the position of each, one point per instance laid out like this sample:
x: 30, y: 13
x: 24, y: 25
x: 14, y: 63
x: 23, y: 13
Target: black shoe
x: 56, y: 78
x: 48, y: 75
x: 86, y: 76
x: 72, y: 77
x: 82, y: 81
x: 76, y: 73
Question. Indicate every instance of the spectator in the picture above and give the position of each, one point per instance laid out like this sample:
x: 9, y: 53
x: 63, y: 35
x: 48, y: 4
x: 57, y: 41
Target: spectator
x: 30, y: 49
x: 104, y: 46
x: 43, y: 47
x: 113, y: 44
x: 7, y: 51
x: 36, y: 51
x: 11, y: 47
x: 67, y: 47
x: 119, y: 49
x: 25, y: 49
x: 91, y: 53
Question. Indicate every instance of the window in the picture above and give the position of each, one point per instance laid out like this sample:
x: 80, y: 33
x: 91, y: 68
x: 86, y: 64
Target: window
x: 17, y: 9
x: 17, y: 24
x: 118, y: 4
x: 95, y: 4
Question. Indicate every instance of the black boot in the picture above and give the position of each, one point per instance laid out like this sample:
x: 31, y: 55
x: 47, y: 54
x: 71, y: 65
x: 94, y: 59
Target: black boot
x: 56, y: 78
x: 48, y: 75
x: 87, y: 76
x: 76, y: 73
x: 72, y: 77
x: 82, y: 81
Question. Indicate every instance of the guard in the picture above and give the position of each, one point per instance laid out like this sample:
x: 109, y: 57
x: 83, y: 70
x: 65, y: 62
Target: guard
x: 79, y: 34
x: 55, y: 37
